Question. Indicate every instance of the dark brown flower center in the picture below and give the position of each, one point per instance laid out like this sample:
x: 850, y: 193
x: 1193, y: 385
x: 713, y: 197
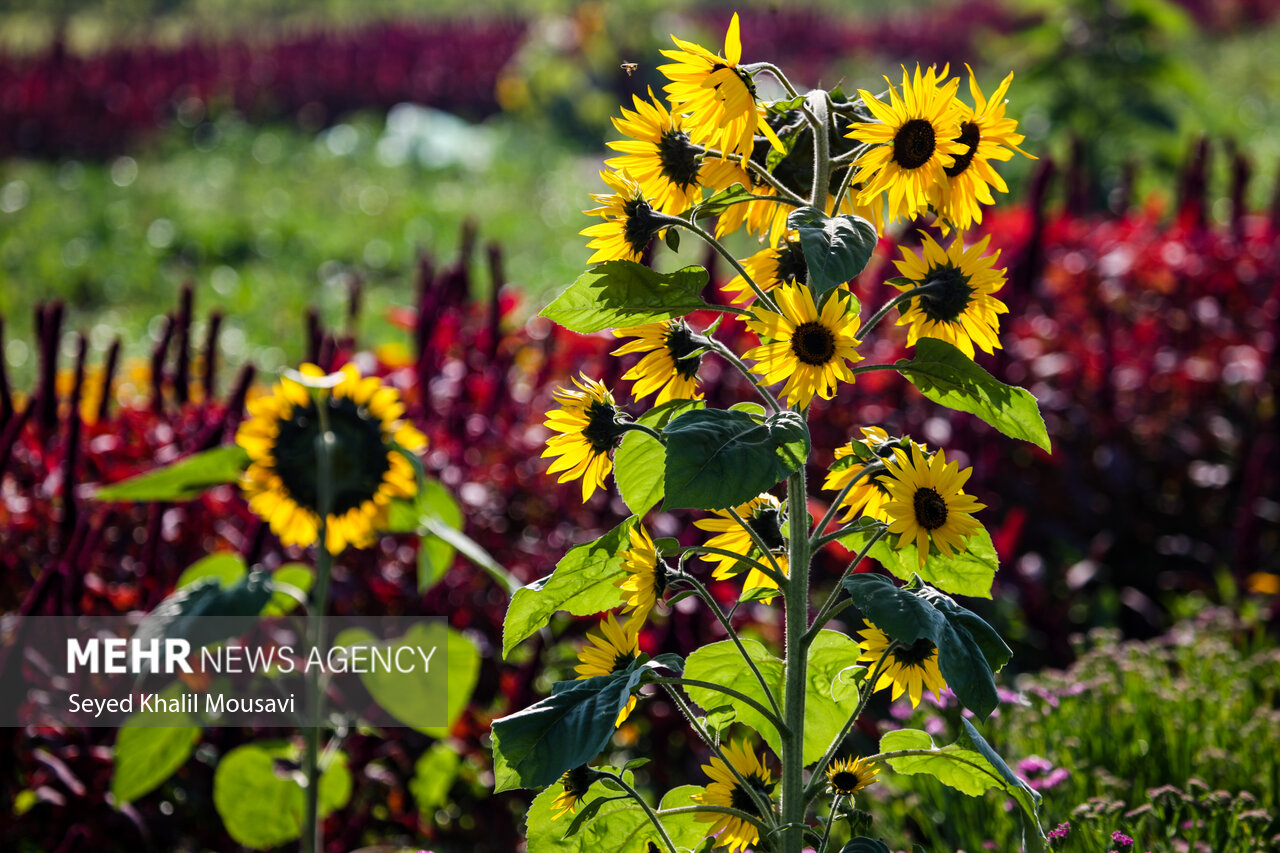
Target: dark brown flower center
x: 845, y: 781
x: 791, y: 265
x: 682, y: 345
x: 914, y: 144
x: 359, y: 455
x: 679, y: 158
x: 969, y: 136
x: 601, y: 429
x: 948, y: 295
x: 931, y: 509
x: 915, y: 654
x: 813, y: 343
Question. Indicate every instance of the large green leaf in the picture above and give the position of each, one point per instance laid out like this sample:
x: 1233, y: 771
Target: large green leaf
x: 967, y: 766
x: 718, y: 458
x: 828, y: 701
x: 950, y: 378
x: 617, y: 826
x: 582, y: 584
x: 433, y: 776
x: 572, y: 726
x: 183, y: 480
x: 969, y: 572
x: 969, y: 650
x: 640, y: 462
x: 228, y: 568
x: 261, y: 804
x: 836, y: 248
x: 616, y: 294
x: 149, y: 748
x: 186, y: 613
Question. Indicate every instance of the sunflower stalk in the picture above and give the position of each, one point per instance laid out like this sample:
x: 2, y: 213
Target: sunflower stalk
x: 831, y: 819
x: 815, y: 110
x: 795, y: 667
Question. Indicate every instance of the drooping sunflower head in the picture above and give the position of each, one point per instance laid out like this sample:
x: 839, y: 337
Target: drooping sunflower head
x: 629, y: 220
x: 646, y: 579
x: 959, y: 307
x: 586, y: 430
x: 576, y: 783
x: 368, y: 469
x: 986, y: 135
x: 811, y: 350
x: 613, y: 649
x: 670, y: 364
x: 908, y: 668
x: 913, y: 139
x: 718, y: 95
x: 927, y: 505
x: 769, y: 268
x: 763, y: 514
x: 848, y: 776
x: 869, y: 493
x: 725, y: 790
x: 659, y: 155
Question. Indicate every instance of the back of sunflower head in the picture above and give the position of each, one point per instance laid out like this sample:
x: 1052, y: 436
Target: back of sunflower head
x: 816, y: 177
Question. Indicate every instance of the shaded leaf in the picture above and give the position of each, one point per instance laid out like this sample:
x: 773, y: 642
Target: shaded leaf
x: 620, y: 293
x: 183, y: 480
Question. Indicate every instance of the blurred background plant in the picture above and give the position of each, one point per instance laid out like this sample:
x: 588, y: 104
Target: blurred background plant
x: 239, y: 183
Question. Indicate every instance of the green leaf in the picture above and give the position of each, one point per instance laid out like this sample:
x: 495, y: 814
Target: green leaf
x: 473, y: 551
x: 261, y: 803
x: 413, y: 699
x: 863, y: 844
x: 582, y: 584
x: 572, y: 726
x: 297, y: 575
x: 433, y: 776
x: 969, y: 765
x: 640, y: 461
x: 969, y: 650
x: 183, y: 480
x: 183, y: 613
x: 150, y: 747
x: 835, y: 248
x: 718, y: 458
x: 619, y: 293
x: 618, y: 825
x: 225, y: 566
x: 825, y: 715
x: 722, y: 201
x: 435, y: 554
x: 950, y: 378
x: 970, y: 572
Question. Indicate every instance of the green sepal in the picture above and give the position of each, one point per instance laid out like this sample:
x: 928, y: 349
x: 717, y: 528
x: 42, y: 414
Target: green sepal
x: 718, y: 458
x: 969, y: 650
x: 950, y: 378
x: 183, y: 480
x: 617, y: 294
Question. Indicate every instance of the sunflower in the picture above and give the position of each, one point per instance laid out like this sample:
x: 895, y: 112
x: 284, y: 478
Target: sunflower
x: 869, y: 493
x: 912, y: 139
x: 907, y: 669
x: 986, y: 135
x: 669, y: 365
x: 718, y: 95
x: 927, y: 504
x: 725, y: 790
x: 629, y: 222
x: 659, y: 155
x: 848, y: 776
x: 369, y: 466
x: 587, y: 428
x: 611, y: 650
x: 780, y: 264
x: 575, y: 782
x: 807, y: 348
x: 646, y: 579
x: 959, y: 307
x: 764, y: 515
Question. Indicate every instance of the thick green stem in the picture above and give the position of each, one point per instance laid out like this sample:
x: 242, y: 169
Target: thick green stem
x: 312, y: 835
x: 796, y: 671
x: 815, y: 110
x: 648, y: 810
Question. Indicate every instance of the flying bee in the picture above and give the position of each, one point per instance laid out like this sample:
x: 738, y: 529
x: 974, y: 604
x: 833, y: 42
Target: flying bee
x: 629, y: 67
